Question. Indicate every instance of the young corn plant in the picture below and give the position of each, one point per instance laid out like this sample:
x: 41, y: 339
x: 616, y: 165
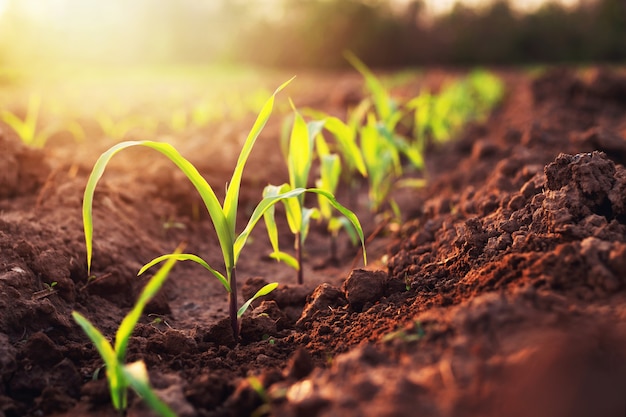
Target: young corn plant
x: 330, y: 173
x: 382, y: 161
x: 120, y: 375
x: 441, y: 116
x: 223, y: 216
x: 26, y: 129
x: 299, y: 161
x: 388, y: 115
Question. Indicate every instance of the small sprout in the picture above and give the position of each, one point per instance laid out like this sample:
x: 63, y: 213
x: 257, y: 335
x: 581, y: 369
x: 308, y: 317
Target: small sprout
x: 120, y: 375
x: 405, y: 335
x: 48, y: 290
x: 269, y: 339
x: 27, y: 129
x: 158, y: 320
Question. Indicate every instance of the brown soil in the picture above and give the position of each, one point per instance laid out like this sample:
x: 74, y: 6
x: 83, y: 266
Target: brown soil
x: 502, y: 294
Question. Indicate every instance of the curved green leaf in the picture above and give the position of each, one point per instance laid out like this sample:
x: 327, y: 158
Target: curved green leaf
x: 213, y: 206
x: 286, y: 259
x: 259, y: 211
x: 383, y: 103
x: 346, y: 212
x: 346, y: 139
x: 269, y: 201
x: 186, y: 257
x: 260, y: 293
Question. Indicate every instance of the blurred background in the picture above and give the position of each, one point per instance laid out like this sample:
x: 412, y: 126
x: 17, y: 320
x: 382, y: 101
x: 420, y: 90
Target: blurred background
x: 292, y: 34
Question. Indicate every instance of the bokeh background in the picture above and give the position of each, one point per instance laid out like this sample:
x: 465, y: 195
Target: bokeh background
x: 310, y: 33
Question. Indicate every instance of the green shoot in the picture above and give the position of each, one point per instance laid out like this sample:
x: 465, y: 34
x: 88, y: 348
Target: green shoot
x: 223, y: 216
x: 382, y: 160
x: 118, y: 128
x: 122, y: 376
x: 27, y: 129
x: 330, y: 172
x: 299, y: 161
x: 385, y: 106
x: 443, y: 115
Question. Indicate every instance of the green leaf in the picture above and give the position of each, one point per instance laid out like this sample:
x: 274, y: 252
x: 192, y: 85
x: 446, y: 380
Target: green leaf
x: 315, y: 127
x: 300, y: 152
x: 321, y: 146
x: 130, y: 321
x: 269, y: 215
x: 187, y: 257
x: 260, y: 293
x: 265, y: 204
x: 206, y: 192
x: 269, y: 201
x: 337, y: 223
x: 330, y: 172
x: 307, y: 215
x: 346, y: 139
x: 347, y: 213
x: 382, y: 101
x: 137, y: 377
x: 286, y: 258
x: 116, y: 383
x: 232, y: 193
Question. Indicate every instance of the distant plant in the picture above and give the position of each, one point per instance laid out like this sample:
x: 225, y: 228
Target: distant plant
x: 120, y: 375
x: 442, y: 116
x: 27, y: 128
x: 223, y: 217
x: 437, y: 116
x: 330, y: 173
x: 388, y: 115
x: 299, y: 161
x: 118, y: 127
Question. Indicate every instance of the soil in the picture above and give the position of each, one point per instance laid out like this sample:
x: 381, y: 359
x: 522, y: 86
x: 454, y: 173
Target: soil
x: 501, y: 293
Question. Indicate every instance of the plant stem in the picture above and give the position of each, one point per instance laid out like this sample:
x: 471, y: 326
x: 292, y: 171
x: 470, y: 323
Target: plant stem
x: 232, y: 305
x: 298, y: 248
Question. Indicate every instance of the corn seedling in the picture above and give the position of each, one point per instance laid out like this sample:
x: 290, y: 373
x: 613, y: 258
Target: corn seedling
x: 48, y: 290
x: 122, y: 376
x: 299, y: 161
x: 26, y: 129
x: 330, y: 172
x: 223, y: 216
x: 385, y: 118
x: 386, y: 108
x: 443, y: 115
x: 118, y: 128
x: 487, y: 90
x: 382, y: 160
